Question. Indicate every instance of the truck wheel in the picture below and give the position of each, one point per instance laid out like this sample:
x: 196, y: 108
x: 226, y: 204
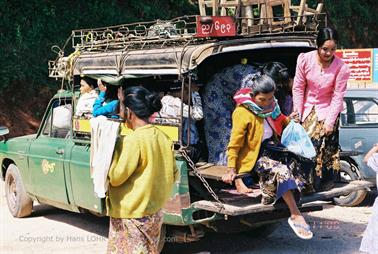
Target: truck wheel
x: 19, y: 203
x: 347, y: 174
x: 163, y: 232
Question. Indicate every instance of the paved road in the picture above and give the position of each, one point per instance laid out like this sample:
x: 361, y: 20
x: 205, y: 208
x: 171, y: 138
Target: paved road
x: 51, y: 230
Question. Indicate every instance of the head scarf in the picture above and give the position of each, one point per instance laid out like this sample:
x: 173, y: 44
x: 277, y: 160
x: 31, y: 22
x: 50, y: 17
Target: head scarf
x: 243, y: 97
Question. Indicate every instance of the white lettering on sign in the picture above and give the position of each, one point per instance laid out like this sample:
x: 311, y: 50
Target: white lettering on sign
x: 223, y: 28
x: 217, y: 26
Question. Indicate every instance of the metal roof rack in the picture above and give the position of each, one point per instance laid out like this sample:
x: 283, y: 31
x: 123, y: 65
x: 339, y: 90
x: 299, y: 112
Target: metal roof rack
x: 250, y: 18
x: 136, y: 35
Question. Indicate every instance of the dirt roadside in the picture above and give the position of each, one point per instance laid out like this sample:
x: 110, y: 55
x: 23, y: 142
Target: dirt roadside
x: 51, y: 230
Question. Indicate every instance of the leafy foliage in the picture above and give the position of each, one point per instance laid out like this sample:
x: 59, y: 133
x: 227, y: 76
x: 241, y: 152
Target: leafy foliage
x: 30, y: 28
x: 355, y: 21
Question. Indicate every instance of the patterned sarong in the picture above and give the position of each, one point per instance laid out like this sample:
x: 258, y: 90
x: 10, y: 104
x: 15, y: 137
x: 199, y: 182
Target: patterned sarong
x: 135, y: 236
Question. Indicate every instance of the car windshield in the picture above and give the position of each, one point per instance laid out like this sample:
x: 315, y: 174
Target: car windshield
x: 360, y: 111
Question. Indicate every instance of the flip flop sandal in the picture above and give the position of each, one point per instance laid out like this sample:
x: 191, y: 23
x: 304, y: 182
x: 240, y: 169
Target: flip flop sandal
x: 295, y: 227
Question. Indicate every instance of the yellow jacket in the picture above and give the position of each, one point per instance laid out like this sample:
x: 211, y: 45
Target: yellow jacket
x: 142, y: 174
x: 246, y: 138
x: 245, y: 141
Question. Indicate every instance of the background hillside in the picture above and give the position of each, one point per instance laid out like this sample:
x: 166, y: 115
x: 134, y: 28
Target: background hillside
x: 29, y: 29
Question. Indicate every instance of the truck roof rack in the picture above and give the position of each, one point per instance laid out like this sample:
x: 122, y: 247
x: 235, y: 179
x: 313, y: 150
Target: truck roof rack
x: 250, y: 18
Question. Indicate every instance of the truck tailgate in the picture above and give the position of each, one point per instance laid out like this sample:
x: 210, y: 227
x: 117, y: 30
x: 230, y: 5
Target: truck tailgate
x: 241, y: 208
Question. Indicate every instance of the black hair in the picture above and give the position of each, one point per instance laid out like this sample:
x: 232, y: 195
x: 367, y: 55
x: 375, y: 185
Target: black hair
x: 90, y: 81
x: 111, y: 92
x: 326, y: 34
x: 262, y: 83
x: 278, y: 72
x: 141, y: 101
x: 280, y: 75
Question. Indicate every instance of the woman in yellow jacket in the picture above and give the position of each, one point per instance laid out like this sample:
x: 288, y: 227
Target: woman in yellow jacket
x: 255, y: 121
x: 141, y: 178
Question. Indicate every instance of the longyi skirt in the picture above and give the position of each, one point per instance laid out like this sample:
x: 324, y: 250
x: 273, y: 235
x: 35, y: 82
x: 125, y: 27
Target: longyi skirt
x: 327, y: 160
x: 131, y: 236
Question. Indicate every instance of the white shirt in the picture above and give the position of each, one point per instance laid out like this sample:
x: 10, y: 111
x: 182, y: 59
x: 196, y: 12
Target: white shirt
x: 172, y: 107
x: 268, y: 132
x: 85, y: 103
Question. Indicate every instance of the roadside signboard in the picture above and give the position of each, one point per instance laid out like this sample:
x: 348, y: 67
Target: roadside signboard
x: 360, y: 62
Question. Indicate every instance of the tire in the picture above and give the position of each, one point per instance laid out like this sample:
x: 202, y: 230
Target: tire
x: 262, y: 231
x: 354, y: 198
x: 163, y: 232
x: 19, y: 203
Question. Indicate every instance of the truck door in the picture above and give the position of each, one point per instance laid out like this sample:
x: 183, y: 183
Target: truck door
x: 49, y: 151
x: 81, y: 181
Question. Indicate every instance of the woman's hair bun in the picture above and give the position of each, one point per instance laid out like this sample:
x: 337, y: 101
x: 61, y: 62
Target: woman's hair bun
x: 154, y: 102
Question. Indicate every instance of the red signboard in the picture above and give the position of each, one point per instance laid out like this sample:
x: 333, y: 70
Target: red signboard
x: 214, y: 26
x: 360, y: 62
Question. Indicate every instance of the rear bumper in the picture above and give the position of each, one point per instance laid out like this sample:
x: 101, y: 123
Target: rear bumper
x: 236, y: 209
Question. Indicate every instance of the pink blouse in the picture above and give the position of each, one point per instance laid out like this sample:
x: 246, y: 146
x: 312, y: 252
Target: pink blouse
x: 322, y: 89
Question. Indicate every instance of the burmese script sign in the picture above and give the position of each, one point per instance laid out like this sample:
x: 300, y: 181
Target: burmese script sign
x: 360, y: 62
x: 213, y: 26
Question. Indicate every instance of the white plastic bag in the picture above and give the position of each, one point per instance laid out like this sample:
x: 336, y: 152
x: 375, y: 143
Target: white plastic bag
x: 295, y: 138
x: 62, y: 116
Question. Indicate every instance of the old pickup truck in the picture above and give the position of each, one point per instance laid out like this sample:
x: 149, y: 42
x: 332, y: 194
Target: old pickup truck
x: 52, y: 166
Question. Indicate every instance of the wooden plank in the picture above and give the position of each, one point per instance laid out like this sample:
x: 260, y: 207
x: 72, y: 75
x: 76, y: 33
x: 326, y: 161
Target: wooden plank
x: 255, y: 208
x: 286, y: 12
x: 301, y: 10
x: 202, y: 7
x: 222, y: 5
x: 319, y: 8
x: 253, y: 2
x: 215, y: 7
x: 231, y: 209
x: 345, y: 190
x: 234, y: 209
x: 215, y: 172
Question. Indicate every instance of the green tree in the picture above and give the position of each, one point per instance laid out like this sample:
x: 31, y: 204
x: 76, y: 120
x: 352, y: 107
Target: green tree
x: 30, y: 28
x: 355, y: 20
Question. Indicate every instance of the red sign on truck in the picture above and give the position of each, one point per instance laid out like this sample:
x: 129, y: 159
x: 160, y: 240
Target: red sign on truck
x: 360, y: 63
x: 214, y: 26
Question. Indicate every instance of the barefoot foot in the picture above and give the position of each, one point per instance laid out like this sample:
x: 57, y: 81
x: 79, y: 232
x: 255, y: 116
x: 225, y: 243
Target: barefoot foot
x: 240, y: 186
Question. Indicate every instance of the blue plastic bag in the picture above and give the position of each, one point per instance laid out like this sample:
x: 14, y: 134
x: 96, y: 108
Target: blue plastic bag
x: 296, y: 140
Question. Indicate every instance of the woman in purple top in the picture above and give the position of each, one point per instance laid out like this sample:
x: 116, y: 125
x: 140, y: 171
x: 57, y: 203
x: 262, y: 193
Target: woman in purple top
x: 319, y: 86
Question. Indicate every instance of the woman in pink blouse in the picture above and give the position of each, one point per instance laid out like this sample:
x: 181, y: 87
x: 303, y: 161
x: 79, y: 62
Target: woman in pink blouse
x: 319, y: 87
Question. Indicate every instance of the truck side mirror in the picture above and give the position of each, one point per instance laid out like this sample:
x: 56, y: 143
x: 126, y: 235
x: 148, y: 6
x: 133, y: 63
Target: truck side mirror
x: 3, y: 131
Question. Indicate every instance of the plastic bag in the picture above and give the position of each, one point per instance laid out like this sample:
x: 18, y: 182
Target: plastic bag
x: 62, y: 116
x: 296, y: 140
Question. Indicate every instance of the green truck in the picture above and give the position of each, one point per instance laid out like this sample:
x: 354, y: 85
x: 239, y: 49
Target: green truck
x: 53, y: 165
